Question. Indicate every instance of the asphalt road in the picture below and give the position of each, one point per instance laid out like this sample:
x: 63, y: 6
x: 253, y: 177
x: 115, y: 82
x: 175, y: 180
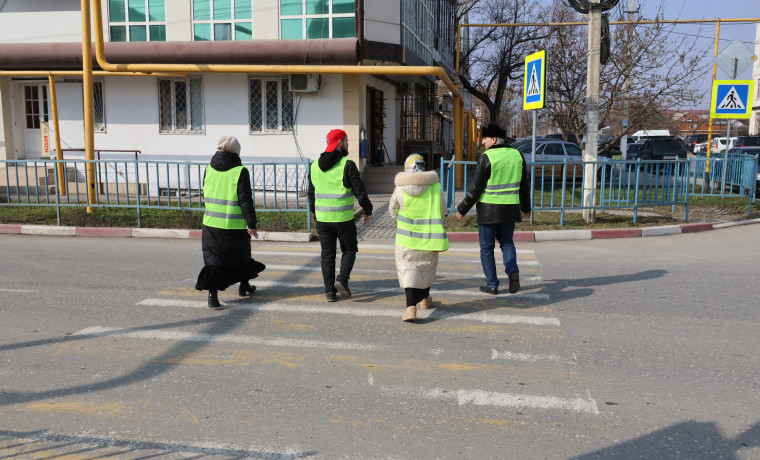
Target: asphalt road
x: 640, y: 348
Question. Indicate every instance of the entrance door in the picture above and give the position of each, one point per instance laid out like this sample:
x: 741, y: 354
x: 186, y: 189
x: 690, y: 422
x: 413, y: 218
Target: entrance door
x: 35, y: 97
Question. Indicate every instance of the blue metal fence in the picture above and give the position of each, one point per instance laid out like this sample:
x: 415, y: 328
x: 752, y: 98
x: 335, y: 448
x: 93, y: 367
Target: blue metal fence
x: 623, y: 184
x: 141, y: 184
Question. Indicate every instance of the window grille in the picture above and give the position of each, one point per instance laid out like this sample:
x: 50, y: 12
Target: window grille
x: 180, y: 105
x: 99, y: 106
x: 271, y: 105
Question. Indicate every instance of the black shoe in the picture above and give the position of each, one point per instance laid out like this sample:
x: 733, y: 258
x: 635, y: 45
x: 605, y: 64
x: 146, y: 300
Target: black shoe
x: 343, y: 289
x: 213, y: 301
x: 488, y: 290
x: 246, y: 289
x: 331, y: 296
x: 514, y: 282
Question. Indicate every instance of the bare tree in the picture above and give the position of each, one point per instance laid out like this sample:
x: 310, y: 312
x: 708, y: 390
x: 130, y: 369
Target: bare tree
x: 661, y: 68
x: 495, y: 56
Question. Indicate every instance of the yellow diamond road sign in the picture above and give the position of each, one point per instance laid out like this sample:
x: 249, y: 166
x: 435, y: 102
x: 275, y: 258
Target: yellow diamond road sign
x: 533, y: 88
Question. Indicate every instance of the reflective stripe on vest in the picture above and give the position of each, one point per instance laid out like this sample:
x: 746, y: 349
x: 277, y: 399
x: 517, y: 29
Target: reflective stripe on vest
x: 503, y: 186
x: 332, y: 201
x: 420, y: 225
x: 221, y: 199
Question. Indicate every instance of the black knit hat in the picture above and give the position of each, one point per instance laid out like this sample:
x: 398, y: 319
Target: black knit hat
x: 494, y: 130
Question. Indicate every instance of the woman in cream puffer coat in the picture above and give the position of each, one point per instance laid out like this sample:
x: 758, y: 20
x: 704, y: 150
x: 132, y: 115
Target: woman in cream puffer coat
x: 415, y: 268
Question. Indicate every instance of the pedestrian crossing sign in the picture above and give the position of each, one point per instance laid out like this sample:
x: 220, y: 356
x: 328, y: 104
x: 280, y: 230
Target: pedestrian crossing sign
x: 732, y: 99
x: 535, y: 73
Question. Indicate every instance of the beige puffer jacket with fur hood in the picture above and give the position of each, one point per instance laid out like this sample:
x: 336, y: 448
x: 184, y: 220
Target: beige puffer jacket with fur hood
x: 415, y: 268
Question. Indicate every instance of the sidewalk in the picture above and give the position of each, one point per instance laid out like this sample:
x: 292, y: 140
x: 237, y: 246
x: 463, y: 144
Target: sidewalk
x: 381, y: 227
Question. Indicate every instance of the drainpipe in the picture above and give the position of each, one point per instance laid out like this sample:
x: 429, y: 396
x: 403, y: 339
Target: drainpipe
x: 89, y: 123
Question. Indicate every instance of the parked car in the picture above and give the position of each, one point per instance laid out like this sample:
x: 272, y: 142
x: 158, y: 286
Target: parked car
x: 633, y: 150
x: 692, y: 141
x: 718, y: 144
x: 701, y: 147
x: 664, y: 148
x: 750, y: 151
x: 747, y: 141
x: 550, y: 150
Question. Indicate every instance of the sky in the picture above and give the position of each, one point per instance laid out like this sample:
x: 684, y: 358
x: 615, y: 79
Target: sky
x: 705, y: 34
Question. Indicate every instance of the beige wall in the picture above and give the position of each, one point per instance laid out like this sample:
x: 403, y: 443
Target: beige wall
x: 353, y: 114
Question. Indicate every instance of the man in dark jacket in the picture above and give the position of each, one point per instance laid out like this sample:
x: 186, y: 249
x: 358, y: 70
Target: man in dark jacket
x: 501, y: 189
x: 334, y: 181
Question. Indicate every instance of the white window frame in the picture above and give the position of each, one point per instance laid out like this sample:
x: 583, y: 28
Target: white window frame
x: 232, y: 22
x: 174, y: 129
x: 280, y: 90
x: 304, y: 17
x: 147, y: 23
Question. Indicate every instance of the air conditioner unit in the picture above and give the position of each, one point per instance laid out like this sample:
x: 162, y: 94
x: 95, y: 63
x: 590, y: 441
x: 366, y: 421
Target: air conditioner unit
x: 304, y: 83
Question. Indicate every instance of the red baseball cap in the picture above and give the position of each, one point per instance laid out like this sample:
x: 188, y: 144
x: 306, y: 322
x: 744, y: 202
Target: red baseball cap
x: 333, y: 138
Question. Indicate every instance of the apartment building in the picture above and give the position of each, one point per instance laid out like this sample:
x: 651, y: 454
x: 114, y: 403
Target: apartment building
x: 275, y: 116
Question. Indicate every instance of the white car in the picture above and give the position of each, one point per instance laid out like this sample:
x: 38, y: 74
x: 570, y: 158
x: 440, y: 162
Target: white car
x: 700, y: 148
x: 718, y: 144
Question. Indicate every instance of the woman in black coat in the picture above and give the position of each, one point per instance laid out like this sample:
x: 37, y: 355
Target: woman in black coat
x: 227, y: 251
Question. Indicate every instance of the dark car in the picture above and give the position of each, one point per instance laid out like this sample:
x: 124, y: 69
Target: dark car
x: 664, y: 148
x: 747, y: 141
x: 633, y: 150
x: 693, y: 140
x: 570, y: 138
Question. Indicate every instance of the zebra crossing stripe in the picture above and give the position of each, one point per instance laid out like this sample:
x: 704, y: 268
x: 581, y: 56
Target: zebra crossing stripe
x: 99, y: 331
x: 436, y: 313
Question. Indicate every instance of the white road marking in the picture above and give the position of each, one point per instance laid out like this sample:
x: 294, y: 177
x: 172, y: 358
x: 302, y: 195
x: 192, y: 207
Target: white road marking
x: 317, y: 269
x: 489, y: 398
x: 97, y: 331
x: 146, y: 447
x: 361, y: 311
x: 510, y: 356
x: 17, y: 290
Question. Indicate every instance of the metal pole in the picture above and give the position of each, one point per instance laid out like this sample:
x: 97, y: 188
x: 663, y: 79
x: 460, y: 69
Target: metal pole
x: 61, y: 186
x: 533, y: 149
x: 592, y: 104
x: 709, y: 120
x: 627, y: 84
x: 728, y: 141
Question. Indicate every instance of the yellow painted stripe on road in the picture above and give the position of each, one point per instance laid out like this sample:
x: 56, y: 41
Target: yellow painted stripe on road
x: 134, y: 409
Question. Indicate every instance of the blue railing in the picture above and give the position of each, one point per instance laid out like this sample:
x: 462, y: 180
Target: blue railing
x: 141, y: 184
x: 623, y: 184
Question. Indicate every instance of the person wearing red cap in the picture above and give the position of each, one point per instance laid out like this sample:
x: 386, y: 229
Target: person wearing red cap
x: 334, y: 181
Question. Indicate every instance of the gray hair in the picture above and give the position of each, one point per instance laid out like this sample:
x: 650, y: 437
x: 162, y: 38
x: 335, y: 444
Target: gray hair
x: 228, y: 144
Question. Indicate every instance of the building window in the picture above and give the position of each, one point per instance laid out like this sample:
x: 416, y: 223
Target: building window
x: 414, y: 119
x: 301, y: 19
x: 99, y: 105
x: 222, y: 20
x: 271, y: 105
x: 137, y: 20
x: 180, y: 105
x: 417, y: 28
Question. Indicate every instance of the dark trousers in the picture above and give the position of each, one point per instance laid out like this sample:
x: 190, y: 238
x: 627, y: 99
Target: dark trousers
x: 415, y: 295
x: 329, y: 234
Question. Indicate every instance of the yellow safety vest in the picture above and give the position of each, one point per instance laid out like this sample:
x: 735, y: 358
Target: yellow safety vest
x: 221, y: 199
x: 332, y: 201
x: 420, y: 224
x: 503, y: 186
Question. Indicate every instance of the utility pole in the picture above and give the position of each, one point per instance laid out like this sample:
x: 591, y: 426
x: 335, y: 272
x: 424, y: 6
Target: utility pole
x: 627, y: 83
x: 592, y: 106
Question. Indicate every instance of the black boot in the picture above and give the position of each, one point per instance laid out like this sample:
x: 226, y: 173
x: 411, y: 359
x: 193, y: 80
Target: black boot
x: 245, y: 289
x: 213, y: 300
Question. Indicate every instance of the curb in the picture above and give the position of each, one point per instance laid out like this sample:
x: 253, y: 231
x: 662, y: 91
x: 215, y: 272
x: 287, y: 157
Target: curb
x: 299, y: 237
x: 293, y: 237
